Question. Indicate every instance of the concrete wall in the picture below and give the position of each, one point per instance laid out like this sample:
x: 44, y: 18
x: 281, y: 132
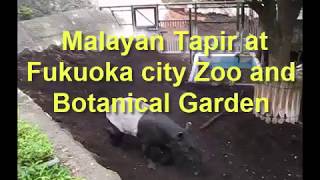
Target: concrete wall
x: 39, y: 33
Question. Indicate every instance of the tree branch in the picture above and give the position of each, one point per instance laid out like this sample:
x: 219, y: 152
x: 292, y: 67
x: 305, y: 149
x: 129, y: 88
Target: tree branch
x: 256, y: 6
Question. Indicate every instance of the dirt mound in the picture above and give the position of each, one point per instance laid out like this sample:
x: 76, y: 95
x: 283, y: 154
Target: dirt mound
x: 237, y: 146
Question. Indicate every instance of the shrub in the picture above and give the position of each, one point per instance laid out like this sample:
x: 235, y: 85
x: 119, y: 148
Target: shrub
x: 33, y: 146
x: 25, y: 12
x: 38, y: 171
x: 34, y: 149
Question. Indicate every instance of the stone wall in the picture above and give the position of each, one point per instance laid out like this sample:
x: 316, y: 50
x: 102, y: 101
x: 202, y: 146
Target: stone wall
x: 42, y: 8
x: 39, y: 33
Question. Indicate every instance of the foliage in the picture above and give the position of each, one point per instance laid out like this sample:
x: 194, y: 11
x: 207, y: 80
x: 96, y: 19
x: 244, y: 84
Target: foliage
x: 34, y: 149
x: 33, y: 146
x: 38, y: 171
x: 25, y: 12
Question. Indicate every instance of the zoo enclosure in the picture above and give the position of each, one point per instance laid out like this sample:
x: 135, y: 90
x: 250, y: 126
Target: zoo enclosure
x: 149, y: 18
x: 196, y: 17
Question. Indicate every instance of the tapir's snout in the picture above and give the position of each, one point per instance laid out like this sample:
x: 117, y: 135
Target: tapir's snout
x: 194, y: 162
x: 197, y: 167
x: 196, y: 173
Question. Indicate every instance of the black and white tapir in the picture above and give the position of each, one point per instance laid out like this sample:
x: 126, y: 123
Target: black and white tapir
x: 163, y: 141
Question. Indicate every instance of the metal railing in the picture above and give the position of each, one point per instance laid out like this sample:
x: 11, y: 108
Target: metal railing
x: 191, y: 23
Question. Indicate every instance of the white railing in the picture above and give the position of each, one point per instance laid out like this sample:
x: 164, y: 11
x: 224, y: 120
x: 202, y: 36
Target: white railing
x: 171, y: 45
x: 284, y: 101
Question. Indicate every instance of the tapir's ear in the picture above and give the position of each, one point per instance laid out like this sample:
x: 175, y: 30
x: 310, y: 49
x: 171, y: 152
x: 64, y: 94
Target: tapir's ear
x: 188, y: 125
x: 180, y: 135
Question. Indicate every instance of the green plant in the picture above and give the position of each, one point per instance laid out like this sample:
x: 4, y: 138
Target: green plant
x: 33, y: 146
x: 38, y: 171
x: 25, y: 12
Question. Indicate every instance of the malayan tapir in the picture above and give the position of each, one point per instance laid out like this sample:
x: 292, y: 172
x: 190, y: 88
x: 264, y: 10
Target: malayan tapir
x: 163, y: 141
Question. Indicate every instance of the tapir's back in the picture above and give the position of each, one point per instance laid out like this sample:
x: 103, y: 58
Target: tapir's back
x: 157, y: 127
x: 126, y: 122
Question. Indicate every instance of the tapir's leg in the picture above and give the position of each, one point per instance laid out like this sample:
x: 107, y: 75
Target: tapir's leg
x: 115, y: 134
x: 147, y: 151
x: 116, y: 138
x: 157, y: 154
x: 166, y: 156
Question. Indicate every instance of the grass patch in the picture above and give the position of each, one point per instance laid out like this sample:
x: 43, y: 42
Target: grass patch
x: 34, y: 149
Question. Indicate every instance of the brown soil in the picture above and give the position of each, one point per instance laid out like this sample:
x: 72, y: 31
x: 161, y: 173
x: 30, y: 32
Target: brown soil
x: 236, y: 146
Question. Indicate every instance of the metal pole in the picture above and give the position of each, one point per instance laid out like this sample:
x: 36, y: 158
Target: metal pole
x: 242, y: 16
x: 242, y: 27
x: 196, y: 18
x: 133, y: 14
x: 223, y: 3
x: 190, y: 33
x: 157, y: 17
x: 238, y: 19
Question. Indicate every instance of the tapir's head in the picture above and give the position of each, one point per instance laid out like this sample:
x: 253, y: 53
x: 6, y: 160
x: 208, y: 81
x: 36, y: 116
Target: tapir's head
x: 186, y: 151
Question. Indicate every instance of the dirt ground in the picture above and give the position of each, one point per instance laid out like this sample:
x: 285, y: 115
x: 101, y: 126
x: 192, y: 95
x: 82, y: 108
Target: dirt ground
x: 236, y: 146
